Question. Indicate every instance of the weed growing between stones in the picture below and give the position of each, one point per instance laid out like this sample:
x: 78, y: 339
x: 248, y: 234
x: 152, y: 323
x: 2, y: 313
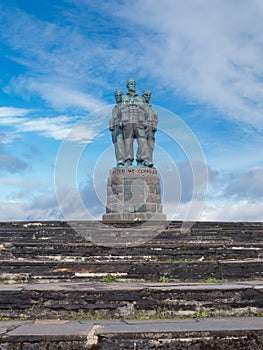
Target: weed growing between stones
x: 163, y: 279
x: 202, y: 314
x: 109, y: 278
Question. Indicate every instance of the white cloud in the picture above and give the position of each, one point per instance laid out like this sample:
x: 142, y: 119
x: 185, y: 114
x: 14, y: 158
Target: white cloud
x: 13, y: 211
x: 12, y: 115
x: 25, y: 185
x: 42, y: 208
x: 242, y: 210
x: 61, y: 97
x: 209, y: 51
x: 239, y: 211
x: 247, y: 184
x: 58, y: 95
x: 7, y: 137
x: 81, y: 133
x: 54, y: 127
x: 76, y: 128
x: 9, y: 112
x: 61, y: 61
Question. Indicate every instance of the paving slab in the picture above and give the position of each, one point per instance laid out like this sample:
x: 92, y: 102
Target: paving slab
x: 51, y: 328
x: 220, y: 334
x: 55, y: 330
x: 200, y: 325
x: 63, y: 327
x: 101, y: 286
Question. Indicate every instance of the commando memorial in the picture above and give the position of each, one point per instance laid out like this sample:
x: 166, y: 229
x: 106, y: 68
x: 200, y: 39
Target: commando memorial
x: 133, y: 191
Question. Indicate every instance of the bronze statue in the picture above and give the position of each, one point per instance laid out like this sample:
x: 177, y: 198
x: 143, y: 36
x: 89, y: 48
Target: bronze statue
x: 116, y: 130
x: 151, y: 122
x: 133, y: 118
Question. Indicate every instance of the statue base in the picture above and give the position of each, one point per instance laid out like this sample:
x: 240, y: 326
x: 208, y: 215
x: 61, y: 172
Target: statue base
x: 134, y: 195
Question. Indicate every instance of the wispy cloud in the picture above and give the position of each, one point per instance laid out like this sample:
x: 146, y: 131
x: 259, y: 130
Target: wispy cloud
x: 9, y: 112
x: 60, y: 62
x: 12, y: 115
x: 7, y: 137
x: 69, y: 60
x: 56, y: 127
x: 60, y: 96
x: 74, y: 128
x: 209, y: 52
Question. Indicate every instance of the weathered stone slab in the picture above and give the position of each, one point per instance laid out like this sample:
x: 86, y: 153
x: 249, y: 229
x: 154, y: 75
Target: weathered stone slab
x: 133, y: 190
x: 218, y: 333
x: 166, y: 326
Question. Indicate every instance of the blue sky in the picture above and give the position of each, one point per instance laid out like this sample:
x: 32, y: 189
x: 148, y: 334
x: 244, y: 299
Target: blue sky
x: 60, y: 62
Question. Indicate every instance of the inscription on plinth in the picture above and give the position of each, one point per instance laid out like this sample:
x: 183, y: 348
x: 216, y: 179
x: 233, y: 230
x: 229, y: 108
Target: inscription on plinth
x: 129, y: 171
x: 133, y: 194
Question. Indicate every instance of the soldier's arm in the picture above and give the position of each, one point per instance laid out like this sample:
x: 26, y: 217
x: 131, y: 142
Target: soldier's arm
x: 113, y: 119
x: 155, y: 120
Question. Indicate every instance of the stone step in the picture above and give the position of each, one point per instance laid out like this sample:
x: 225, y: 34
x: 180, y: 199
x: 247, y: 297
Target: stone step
x: 215, y: 333
x: 133, y: 300
x: 164, y: 274
x: 169, y: 230
x: 220, y: 334
x: 29, y: 270
x: 53, y: 241
x: 179, y: 251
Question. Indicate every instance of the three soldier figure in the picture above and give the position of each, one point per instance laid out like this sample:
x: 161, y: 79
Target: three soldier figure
x: 133, y: 118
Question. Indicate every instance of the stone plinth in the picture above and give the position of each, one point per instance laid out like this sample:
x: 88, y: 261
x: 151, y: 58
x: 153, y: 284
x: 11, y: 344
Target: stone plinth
x: 133, y: 194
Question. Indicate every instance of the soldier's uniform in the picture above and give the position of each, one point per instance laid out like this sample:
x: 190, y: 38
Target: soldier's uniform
x: 133, y: 117
x: 151, y: 127
x: 117, y: 135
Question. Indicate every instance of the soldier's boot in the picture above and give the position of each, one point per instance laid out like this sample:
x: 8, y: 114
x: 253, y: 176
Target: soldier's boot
x: 121, y: 163
x: 148, y: 164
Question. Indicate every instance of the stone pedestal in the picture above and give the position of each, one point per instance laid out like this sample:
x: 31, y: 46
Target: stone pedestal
x: 133, y: 194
